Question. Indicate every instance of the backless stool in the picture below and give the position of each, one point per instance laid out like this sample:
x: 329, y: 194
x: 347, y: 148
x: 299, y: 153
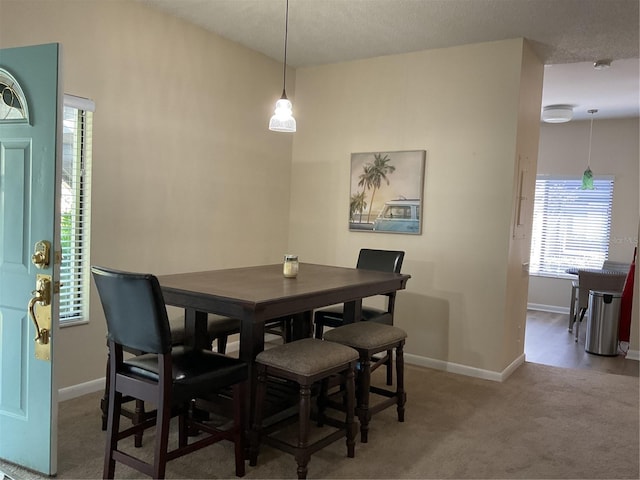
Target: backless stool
x: 370, y: 338
x: 305, y: 362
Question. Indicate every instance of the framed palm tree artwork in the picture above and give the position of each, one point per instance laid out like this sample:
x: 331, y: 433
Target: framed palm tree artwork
x: 386, y: 191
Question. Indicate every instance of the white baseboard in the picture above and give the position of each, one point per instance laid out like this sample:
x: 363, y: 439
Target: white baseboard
x: 74, y: 391
x: 464, y: 369
x: 633, y: 355
x: 548, y: 308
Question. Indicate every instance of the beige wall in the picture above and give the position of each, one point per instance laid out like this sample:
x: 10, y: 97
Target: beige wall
x: 474, y: 109
x: 186, y: 174
x: 563, y: 151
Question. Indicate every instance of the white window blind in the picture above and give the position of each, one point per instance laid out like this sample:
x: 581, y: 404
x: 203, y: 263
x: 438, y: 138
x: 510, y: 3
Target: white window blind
x: 75, y: 210
x: 571, y: 227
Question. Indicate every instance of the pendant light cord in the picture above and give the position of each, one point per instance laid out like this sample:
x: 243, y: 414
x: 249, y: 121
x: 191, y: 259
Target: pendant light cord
x: 284, y: 67
x: 590, y: 133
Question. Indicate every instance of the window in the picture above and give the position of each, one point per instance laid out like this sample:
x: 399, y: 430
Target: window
x: 571, y: 227
x: 397, y: 212
x: 75, y: 210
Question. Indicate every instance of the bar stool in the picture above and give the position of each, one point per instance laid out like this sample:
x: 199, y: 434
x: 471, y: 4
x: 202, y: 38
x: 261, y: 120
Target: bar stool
x: 218, y: 328
x: 370, y: 338
x: 305, y: 362
x: 170, y: 377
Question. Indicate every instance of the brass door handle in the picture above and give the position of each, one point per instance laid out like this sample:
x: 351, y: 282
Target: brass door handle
x: 41, y: 295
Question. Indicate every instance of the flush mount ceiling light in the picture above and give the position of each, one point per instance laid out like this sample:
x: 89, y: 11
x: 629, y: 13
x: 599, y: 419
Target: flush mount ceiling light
x: 282, y: 119
x: 557, y: 113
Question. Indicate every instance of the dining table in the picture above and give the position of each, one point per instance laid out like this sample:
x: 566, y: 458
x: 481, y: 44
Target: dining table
x: 257, y: 294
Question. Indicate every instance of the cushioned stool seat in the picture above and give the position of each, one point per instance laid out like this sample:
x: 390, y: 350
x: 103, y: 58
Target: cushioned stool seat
x: 305, y: 362
x: 370, y: 338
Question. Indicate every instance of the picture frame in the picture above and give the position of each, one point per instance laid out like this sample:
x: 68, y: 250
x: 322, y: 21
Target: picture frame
x: 386, y: 191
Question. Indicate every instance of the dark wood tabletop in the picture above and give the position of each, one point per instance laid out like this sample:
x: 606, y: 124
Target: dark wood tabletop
x: 256, y: 294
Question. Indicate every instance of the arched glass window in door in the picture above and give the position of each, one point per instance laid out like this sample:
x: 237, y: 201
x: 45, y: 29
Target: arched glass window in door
x: 13, y: 103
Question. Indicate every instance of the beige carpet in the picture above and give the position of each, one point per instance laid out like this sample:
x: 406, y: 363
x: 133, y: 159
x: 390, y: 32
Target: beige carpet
x: 543, y: 422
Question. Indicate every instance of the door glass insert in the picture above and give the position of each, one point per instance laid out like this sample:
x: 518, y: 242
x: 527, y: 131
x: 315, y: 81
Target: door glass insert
x: 13, y: 104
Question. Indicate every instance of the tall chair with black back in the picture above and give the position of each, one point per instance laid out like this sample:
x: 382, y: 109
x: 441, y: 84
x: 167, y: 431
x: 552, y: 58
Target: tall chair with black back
x: 219, y: 328
x: 168, y: 377
x: 368, y: 259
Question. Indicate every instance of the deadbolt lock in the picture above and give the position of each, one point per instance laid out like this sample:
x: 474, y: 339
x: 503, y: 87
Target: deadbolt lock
x: 41, y: 254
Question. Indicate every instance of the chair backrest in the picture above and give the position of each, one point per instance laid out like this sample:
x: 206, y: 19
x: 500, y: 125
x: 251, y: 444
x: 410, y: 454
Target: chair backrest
x: 380, y: 260
x: 616, y: 266
x: 134, y: 309
x: 599, y: 281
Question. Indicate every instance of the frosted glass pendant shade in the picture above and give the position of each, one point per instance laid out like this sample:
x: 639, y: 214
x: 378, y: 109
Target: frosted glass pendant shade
x: 587, y: 180
x: 282, y: 120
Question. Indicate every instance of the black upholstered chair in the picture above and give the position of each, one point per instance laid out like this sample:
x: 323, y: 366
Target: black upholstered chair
x: 218, y: 329
x: 368, y: 259
x: 169, y: 377
x: 307, y: 362
x: 369, y: 339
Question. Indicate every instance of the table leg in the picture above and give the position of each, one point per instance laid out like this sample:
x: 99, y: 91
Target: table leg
x: 251, y: 344
x: 302, y: 325
x: 572, y: 306
x: 195, y: 329
x: 352, y: 311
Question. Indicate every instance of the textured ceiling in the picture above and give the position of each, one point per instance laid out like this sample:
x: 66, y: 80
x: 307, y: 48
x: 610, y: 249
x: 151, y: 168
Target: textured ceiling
x: 561, y: 32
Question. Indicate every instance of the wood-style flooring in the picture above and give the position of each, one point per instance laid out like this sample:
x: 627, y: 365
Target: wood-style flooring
x: 548, y: 341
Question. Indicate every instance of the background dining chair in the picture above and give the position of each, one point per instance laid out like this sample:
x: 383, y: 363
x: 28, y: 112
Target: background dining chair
x: 170, y: 377
x: 572, y: 305
x: 609, y: 266
x: 612, y: 266
x: 604, y: 281
x: 368, y: 259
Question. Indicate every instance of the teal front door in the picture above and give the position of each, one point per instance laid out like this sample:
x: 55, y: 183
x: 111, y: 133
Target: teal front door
x: 30, y: 106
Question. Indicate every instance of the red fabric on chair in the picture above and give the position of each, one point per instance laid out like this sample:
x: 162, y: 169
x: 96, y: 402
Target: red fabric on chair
x: 624, y: 329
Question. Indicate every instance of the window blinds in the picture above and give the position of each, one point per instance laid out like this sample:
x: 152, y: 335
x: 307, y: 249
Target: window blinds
x: 75, y: 209
x: 571, y: 227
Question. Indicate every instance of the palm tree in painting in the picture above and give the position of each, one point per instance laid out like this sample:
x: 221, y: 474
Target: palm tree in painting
x: 373, y: 175
x: 357, y: 205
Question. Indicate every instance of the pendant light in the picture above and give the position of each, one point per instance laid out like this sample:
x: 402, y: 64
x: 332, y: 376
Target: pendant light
x: 282, y: 119
x: 587, y: 176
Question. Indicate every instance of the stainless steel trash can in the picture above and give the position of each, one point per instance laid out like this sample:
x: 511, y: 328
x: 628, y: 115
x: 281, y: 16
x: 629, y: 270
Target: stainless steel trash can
x: 602, y: 323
